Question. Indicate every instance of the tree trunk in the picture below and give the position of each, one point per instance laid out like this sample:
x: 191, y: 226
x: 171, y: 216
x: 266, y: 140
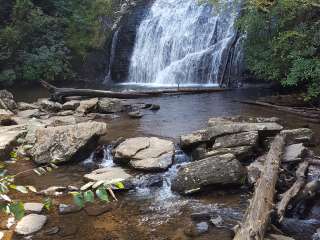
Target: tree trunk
x: 257, y: 216
x: 58, y: 94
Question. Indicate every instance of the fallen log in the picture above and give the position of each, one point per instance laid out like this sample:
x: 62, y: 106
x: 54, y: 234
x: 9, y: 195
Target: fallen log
x: 258, y: 213
x: 293, y: 191
x: 309, y: 115
x: 58, y: 94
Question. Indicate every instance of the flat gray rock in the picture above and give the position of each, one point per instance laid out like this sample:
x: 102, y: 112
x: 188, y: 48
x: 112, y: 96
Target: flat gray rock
x: 30, y: 224
x: 109, y: 174
x: 236, y: 140
x: 33, y: 207
x: 143, y: 153
x: 294, y: 152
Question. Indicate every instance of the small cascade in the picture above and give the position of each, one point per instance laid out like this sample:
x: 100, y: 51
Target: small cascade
x: 182, y: 42
x: 112, y: 55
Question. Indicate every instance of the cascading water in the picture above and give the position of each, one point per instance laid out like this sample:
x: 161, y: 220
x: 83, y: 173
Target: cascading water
x: 183, y: 42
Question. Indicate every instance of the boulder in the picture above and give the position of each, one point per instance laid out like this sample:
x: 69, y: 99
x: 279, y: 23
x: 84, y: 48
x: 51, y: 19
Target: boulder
x: 217, y: 170
x: 110, y: 105
x: 71, y: 105
x: 63, y: 143
x: 195, y: 138
x: 232, y: 128
x: 149, y: 154
x: 87, y: 106
x: 241, y: 152
x: 294, y: 152
x: 220, y: 127
x: 22, y: 106
x: 30, y: 113
x: 300, y: 135
x: 7, y: 101
x: 30, y: 224
x: 236, y: 140
x: 50, y: 106
x: 5, y: 116
x: 8, y: 138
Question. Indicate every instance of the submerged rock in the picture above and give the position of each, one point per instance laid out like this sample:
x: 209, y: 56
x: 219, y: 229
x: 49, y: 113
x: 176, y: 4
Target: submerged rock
x: 67, y: 209
x: 148, y: 154
x: 30, y: 224
x: 62, y: 143
x: 217, y: 170
x: 135, y: 114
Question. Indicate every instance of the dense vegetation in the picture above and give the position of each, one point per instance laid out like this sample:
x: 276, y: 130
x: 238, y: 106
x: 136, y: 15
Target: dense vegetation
x: 283, y: 42
x: 47, y: 39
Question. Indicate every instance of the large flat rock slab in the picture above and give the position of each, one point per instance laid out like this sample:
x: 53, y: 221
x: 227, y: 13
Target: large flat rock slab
x: 8, y: 138
x: 62, y: 143
x: 148, y: 154
x: 221, y: 127
x: 217, y: 170
x: 236, y: 140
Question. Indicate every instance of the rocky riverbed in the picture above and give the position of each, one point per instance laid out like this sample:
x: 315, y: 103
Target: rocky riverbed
x: 191, y: 186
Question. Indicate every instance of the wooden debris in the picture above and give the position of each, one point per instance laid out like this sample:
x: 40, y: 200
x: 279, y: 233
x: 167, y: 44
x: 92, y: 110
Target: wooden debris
x: 258, y: 213
x: 293, y: 191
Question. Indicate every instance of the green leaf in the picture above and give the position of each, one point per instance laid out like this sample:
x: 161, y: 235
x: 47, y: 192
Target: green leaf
x: 5, y: 197
x: 47, y: 202
x: 17, y: 209
x: 78, y: 199
x: 88, y: 196
x: 32, y: 189
x: 119, y: 185
x: 13, y: 154
x: 49, y: 169
x: 21, y: 189
x: 2, y: 165
x: 102, y: 194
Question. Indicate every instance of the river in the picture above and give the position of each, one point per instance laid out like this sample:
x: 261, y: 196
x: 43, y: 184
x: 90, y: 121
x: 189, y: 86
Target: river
x: 156, y: 212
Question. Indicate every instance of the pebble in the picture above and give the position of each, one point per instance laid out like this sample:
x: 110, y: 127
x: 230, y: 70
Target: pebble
x: 33, y: 207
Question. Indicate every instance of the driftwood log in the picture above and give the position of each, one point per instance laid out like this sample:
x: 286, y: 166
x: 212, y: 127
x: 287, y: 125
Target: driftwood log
x: 58, y: 94
x: 258, y: 213
x: 294, y: 190
x: 309, y: 114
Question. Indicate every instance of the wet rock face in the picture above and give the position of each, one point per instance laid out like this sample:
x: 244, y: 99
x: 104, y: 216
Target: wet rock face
x: 148, y: 154
x: 62, y: 143
x: 217, y: 170
x: 126, y: 39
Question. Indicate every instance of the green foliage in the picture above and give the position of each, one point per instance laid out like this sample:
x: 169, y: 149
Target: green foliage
x: 283, y: 42
x: 7, y: 184
x: 42, y: 39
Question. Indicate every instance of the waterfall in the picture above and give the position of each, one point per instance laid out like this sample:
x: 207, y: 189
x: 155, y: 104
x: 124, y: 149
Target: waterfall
x: 183, y: 42
x: 112, y: 55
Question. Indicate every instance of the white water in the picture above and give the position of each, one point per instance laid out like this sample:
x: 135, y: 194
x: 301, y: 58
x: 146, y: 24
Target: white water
x: 182, y: 42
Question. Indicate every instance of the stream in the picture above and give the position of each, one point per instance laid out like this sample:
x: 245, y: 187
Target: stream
x: 153, y: 211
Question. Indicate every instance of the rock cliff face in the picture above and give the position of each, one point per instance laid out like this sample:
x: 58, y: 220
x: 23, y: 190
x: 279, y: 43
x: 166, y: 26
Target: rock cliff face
x: 126, y: 39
